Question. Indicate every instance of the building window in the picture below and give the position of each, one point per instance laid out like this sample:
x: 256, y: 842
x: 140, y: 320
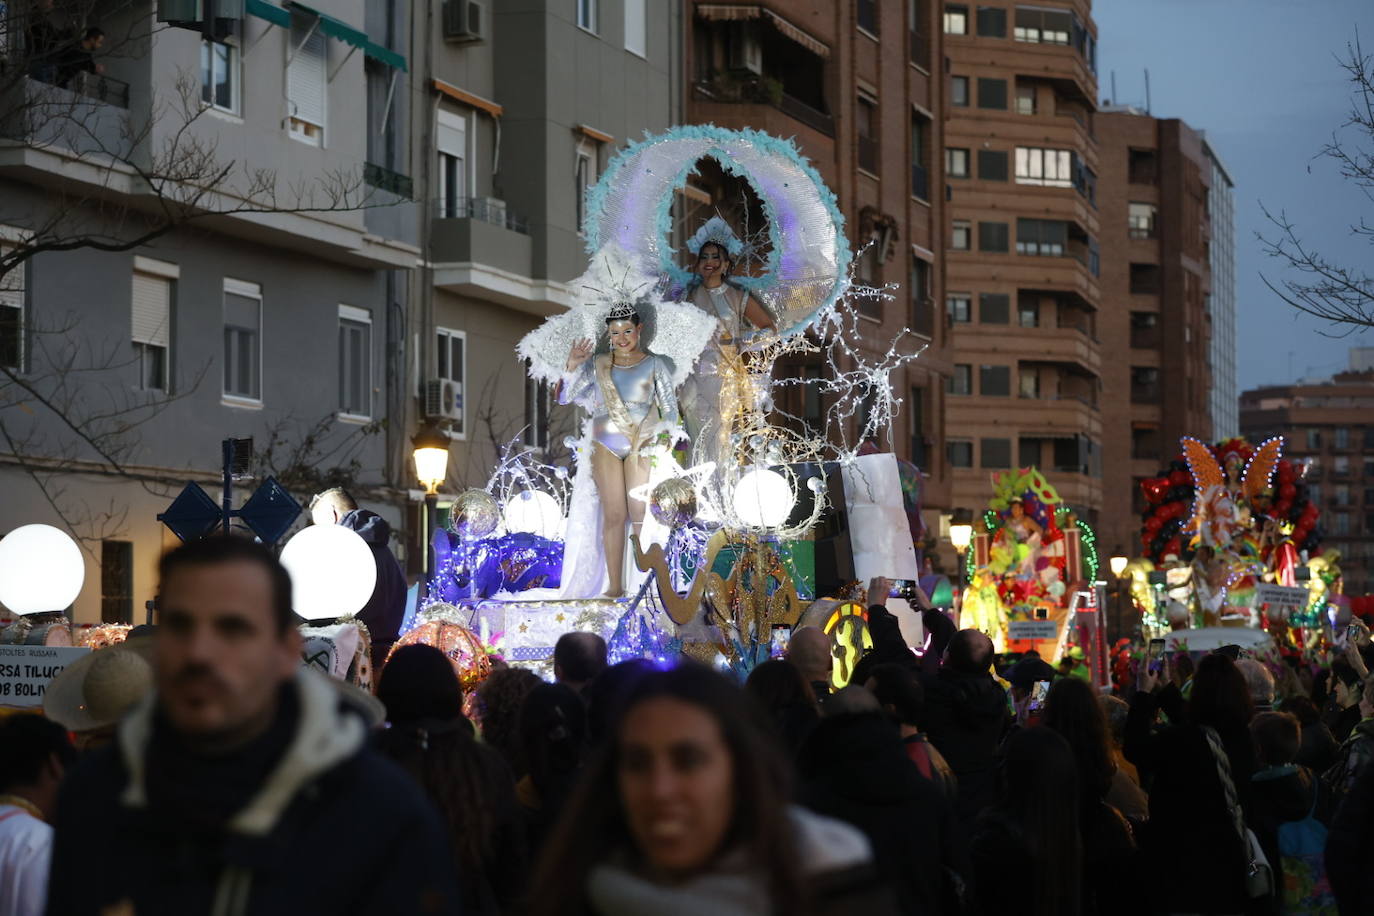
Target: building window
x: 307, y: 85
x: 867, y: 124
x: 151, y: 322
x: 242, y: 340
x: 1043, y: 26
x: 1369, y: 438
x: 1025, y: 100
x: 116, y: 582
x: 992, y: 22
x: 922, y: 313
x: 636, y: 27
x: 451, y: 138
x: 996, y: 453
x: 993, y: 237
x: 956, y: 19
x: 1340, y: 493
x: 961, y: 239
x: 992, y: 165
x: 959, y: 307
x: 355, y: 362
x: 920, y: 156
x: 1029, y: 382
x: 1314, y: 493
x: 450, y: 365
x: 1028, y: 452
x: 1145, y: 443
x: 1051, y: 168
x: 1340, y: 465
x: 587, y: 14
x: 916, y: 405
x: 12, y: 315
x: 866, y: 12
x: 1144, y: 330
x: 537, y: 403
x: 1141, y: 219
x: 219, y: 75
x: 584, y: 176
x: 1041, y: 237
x: 1142, y: 166
x: 1144, y: 385
x: 961, y: 382
x: 994, y: 308
x: 958, y: 91
x: 1314, y: 440
x: 1342, y: 438
x: 1028, y: 313
x: 1340, y: 523
x: 956, y: 163
x: 992, y: 94
x: 960, y: 453
x: 1145, y: 279
x: 994, y: 381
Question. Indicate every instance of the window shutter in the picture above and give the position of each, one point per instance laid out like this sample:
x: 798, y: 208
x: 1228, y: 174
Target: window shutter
x: 994, y: 308
x: 151, y: 311
x: 635, y: 27
x: 305, y: 79
x: 992, y: 236
x: 451, y: 136
x: 992, y: 165
x: 241, y: 312
x: 992, y: 22
x: 992, y: 93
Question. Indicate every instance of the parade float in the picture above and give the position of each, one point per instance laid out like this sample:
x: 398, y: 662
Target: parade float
x: 1231, y: 537
x: 686, y: 520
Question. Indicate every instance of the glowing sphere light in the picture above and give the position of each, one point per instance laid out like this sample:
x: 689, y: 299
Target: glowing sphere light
x: 41, y: 570
x: 535, y: 512
x: 332, y: 572
x: 763, y: 499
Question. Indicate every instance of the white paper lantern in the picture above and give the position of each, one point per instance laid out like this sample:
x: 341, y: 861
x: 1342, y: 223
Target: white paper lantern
x: 41, y: 570
x: 535, y: 512
x: 763, y: 499
x: 332, y: 572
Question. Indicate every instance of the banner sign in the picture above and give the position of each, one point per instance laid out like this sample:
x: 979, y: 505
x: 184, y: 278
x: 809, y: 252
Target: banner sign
x: 1282, y: 599
x: 1033, y: 629
x: 26, y: 670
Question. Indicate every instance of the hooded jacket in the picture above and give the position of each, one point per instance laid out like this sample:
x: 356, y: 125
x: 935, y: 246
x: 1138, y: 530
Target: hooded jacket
x: 854, y: 767
x: 1354, y: 757
x: 966, y: 718
x: 306, y: 819
x: 386, y: 608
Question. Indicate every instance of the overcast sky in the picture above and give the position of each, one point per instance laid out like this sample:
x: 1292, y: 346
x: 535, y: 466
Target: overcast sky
x: 1262, y: 79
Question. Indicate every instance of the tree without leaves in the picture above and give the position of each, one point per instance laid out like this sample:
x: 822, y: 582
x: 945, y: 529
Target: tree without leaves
x: 127, y: 180
x: 1340, y: 295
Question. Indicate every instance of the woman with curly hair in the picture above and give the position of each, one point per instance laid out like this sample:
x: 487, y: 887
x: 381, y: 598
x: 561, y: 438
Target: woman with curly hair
x: 497, y: 710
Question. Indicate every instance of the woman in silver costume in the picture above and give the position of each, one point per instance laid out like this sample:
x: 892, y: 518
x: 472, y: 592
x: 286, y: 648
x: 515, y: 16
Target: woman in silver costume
x: 738, y: 314
x: 630, y: 393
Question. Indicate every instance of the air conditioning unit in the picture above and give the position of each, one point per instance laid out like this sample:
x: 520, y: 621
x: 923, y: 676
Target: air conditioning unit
x: 745, y: 51
x: 465, y: 20
x: 444, y: 399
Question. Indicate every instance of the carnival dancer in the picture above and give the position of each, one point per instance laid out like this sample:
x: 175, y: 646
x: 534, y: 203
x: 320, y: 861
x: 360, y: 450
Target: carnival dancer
x: 705, y: 402
x: 629, y: 393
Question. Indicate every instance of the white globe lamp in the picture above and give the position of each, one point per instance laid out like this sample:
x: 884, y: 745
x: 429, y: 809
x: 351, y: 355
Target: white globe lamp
x: 533, y: 512
x: 763, y: 499
x: 332, y: 572
x: 41, y: 570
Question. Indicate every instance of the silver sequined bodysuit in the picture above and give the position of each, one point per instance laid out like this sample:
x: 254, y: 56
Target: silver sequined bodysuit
x: 644, y: 388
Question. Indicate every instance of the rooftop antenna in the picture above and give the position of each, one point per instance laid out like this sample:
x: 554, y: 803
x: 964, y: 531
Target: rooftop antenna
x: 1147, y: 90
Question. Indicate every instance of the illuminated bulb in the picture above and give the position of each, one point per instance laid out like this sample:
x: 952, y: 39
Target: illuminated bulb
x: 533, y: 511
x: 332, y: 572
x: 41, y: 570
x: 763, y: 499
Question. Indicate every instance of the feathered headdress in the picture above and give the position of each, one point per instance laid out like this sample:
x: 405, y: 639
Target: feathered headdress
x: 716, y: 230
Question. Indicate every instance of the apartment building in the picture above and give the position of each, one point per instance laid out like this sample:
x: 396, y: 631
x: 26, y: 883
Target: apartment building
x: 1159, y: 293
x: 858, y: 86
x: 274, y: 322
x: 1329, y: 427
x: 1023, y: 280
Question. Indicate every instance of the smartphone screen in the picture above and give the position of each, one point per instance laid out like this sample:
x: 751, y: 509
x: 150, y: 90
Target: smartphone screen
x: 777, y: 646
x: 902, y: 588
x: 1155, y: 653
x: 1039, y: 691
x: 1352, y: 632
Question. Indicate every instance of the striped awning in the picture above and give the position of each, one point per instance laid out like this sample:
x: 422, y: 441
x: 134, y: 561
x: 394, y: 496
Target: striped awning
x: 729, y: 12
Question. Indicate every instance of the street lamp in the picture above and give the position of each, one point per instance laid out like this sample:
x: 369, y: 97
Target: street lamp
x: 960, y: 536
x: 431, y: 468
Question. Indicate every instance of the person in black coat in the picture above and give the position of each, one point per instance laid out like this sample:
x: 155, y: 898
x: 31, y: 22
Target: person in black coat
x: 243, y: 783
x: 1318, y: 748
x: 1191, y: 835
x: 1350, y: 848
x: 386, y: 608
x: 853, y: 767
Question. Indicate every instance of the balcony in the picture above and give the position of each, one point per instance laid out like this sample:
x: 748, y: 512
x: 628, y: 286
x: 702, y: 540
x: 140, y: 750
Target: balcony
x: 481, y: 249
x: 1061, y: 345
x: 763, y: 91
x: 86, y: 117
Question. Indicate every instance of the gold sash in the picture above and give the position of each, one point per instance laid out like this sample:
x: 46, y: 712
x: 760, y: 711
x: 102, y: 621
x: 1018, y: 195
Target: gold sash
x: 615, y: 407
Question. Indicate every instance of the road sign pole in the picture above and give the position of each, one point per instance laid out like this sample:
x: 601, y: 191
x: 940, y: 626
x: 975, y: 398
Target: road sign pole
x: 227, y: 454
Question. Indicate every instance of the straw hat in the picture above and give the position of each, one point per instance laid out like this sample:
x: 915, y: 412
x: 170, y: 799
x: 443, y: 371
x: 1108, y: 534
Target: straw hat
x: 97, y: 689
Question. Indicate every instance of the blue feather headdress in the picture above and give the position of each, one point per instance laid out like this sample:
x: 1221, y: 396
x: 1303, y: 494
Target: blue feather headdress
x: 716, y: 230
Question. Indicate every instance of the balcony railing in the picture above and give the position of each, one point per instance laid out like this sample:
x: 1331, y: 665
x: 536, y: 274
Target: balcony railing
x: 764, y: 91
x: 104, y: 89
x: 920, y: 182
x: 868, y: 154
x: 384, y: 179
x: 486, y: 209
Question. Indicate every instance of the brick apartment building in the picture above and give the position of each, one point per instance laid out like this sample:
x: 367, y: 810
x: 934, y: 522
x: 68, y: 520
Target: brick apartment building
x: 1329, y: 426
x: 1022, y: 285
x: 859, y: 86
x: 1155, y: 202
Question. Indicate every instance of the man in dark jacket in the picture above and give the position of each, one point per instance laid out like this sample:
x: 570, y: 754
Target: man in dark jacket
x: 243, y: 784
x: 386, y: 608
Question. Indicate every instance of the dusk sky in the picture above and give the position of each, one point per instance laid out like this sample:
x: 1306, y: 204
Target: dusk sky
x: 1262, y: 78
